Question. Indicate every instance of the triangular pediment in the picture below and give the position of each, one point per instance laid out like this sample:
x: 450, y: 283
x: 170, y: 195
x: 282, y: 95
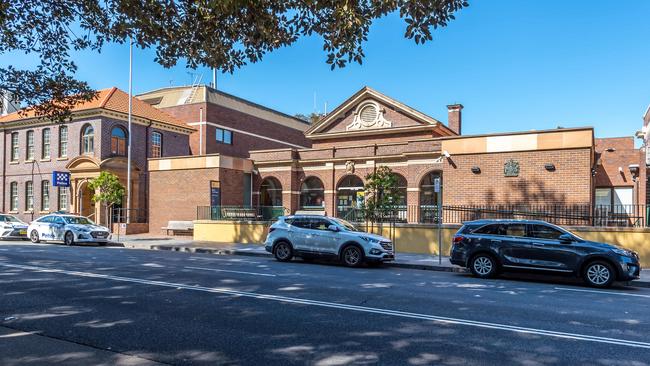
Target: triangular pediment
x: 371, y: 111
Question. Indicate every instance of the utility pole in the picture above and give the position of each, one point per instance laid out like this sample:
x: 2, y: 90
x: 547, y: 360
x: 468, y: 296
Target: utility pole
x: 128, y: 140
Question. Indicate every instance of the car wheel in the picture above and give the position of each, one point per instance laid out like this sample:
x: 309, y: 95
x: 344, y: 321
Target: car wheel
x: 598, y: 274
x: 483, y: 266
x: 352, y: 256
x: 283, y: 251
x: 33, y: 236
x: 68, y: 238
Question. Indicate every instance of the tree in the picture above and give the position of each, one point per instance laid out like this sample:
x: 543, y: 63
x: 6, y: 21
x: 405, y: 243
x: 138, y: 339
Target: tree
x: 311, y: 118
x: 382, y: 193
x: 108, y: 190
x: 223, y: 34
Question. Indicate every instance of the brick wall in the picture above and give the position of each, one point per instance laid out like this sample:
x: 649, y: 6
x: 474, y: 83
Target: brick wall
x: 266, y: 131
x: 173, y: 198
x: 569, y: 184
x: 174, y: 144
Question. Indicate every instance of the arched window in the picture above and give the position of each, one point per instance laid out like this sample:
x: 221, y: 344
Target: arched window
x: 312, y: 194
x: 349, y: 195
x: 156, y: 144
x: 401, y: 190
x: 271, y: 192
x: 118, y: 141
x: 88, y: 140
x: 429, y: 198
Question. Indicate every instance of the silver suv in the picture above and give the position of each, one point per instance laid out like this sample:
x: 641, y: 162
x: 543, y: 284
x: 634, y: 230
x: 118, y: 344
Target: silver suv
x: 308, y: 237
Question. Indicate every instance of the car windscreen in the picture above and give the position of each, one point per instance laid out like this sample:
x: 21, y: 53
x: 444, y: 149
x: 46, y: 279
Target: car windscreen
x: 77, y: 220
x: 346, y: 225
x: 8, y: 218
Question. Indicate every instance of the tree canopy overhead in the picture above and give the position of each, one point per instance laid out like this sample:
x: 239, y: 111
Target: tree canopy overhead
x: 223, y: 34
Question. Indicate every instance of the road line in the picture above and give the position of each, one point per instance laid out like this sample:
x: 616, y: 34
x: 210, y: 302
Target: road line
x: 225, y: 270
x: 602, y: 292
x: 333, y: 305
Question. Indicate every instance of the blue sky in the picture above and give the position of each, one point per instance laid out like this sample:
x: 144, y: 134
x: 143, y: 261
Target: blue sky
x: 514, y: 65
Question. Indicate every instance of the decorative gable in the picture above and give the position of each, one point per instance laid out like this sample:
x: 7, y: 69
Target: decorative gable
x: 369, y: 114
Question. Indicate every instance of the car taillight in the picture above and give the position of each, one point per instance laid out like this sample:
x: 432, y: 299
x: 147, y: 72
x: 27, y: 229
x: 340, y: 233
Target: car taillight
x: 458, y: 238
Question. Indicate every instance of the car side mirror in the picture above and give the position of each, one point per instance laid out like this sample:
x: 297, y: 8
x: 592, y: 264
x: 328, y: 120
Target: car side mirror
x: 333, y: 228
x: 566, y: 238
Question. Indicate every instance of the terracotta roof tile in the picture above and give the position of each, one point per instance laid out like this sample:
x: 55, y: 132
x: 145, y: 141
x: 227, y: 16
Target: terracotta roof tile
x: 112, y: 99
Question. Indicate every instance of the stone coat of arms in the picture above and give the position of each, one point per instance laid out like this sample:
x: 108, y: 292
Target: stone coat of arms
x: 511, y: 168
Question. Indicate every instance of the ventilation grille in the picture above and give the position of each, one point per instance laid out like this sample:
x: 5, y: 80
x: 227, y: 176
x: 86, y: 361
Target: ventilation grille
x: 368, y: 114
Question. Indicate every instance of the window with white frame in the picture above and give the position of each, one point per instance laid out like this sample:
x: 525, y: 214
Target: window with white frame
x: 14, y: 146
x: 63, y: 141
x: 88, y: 140
x: 13, y: 194
x: 30, y: 145
x: 45, y: 144
x: 29, y: 195
x: 45, y: 195
x: 156, y: 144
x: 63, y: 198
x: 224, y: 136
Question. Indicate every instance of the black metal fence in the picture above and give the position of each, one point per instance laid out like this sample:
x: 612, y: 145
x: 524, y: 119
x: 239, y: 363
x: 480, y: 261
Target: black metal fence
x: 134, y: 215
x: 572, y: 215
x: 240, y: 213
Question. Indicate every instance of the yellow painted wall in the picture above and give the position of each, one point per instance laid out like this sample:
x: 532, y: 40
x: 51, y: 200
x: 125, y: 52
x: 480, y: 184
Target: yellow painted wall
x: 421, y: 239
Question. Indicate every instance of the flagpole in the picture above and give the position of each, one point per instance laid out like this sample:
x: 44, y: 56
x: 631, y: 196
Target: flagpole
x: 128, y: 140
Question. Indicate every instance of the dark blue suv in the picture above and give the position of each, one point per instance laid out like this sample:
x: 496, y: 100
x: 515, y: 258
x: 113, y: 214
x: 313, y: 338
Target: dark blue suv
x: 487, y: 247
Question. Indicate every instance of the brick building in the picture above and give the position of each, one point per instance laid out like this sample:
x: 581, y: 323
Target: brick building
x: 371, y: 129
x: 94, y: 141
x: 226, y: 124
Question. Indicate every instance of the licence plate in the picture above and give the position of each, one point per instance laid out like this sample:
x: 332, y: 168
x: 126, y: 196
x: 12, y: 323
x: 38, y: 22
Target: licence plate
x: 22, y: 232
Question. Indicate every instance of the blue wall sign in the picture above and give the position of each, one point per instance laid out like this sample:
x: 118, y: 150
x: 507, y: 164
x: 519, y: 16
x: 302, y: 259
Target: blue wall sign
x: 60, y: 179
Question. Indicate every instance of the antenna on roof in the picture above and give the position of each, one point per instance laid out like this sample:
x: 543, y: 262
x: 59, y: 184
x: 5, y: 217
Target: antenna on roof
x: 214, y: 78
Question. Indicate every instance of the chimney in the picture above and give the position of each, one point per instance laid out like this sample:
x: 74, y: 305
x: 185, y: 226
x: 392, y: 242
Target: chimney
x: 454, y: 119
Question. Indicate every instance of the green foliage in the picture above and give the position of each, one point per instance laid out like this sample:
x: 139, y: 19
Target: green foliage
x: 381, y: 189
x: 223, y: 34
x: 108, y: 189
x: 311, y: 118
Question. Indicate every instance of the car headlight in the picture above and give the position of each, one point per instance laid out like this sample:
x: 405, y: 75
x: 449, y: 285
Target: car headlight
x: 623, y: 252
x: 370, y: 240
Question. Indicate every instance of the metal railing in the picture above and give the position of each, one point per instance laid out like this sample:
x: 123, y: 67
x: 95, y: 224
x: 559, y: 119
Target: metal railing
x: 397, y: 214
x: 240, y: 213
x: 573, y: 215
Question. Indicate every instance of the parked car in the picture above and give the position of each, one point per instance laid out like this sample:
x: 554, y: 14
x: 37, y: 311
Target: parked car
x: 66, y: 228
x: 487, y: 247
x: 310, y: 236
x: 12, y: 227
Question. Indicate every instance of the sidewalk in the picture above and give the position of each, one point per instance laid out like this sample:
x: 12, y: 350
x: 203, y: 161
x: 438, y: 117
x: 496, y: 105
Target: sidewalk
x: 402, y: 260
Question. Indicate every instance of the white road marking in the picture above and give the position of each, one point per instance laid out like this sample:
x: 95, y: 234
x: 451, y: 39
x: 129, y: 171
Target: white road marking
x: 225, y: 270
x: 333, y: 305
x: 602, y: 292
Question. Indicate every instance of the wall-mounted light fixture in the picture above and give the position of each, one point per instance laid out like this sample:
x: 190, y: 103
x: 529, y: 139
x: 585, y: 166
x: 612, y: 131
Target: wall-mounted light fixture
x: 610, y: 149
x: 550, y: 167
x: 476, y: 170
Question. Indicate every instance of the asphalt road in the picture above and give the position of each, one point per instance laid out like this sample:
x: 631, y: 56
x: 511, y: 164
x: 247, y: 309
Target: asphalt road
x: 94, y: 305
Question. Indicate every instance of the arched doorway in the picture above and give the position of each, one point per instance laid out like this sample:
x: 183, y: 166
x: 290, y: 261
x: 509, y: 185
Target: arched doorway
x: 312, y: 194
x: 429, y: 198
x: 271, y: 199
x: 86, y: 206
x: 349, y: 196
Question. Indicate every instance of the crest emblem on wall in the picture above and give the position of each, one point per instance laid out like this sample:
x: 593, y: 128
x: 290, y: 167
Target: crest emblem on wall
x: 368, y: 115
x: 511, y: 168
x: 349, y: 167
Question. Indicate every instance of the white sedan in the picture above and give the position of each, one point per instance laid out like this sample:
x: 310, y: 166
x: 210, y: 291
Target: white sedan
x: 12, y: 228
x: 68, y: 229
